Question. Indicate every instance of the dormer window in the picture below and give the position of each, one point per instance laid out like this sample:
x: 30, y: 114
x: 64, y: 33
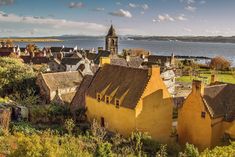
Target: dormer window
x: 117, y: 103
x: 107, y: 99
x: 98, y: 97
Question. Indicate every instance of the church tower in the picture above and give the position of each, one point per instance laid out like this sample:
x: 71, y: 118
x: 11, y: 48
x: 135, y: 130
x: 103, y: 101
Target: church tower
x: 111, y: 43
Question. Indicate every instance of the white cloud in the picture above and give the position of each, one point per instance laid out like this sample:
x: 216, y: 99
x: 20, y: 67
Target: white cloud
x: 169, y: 18
x: 98, y: 9
x: 76, y: 5
x: 118, y: 3
x: 181, y: 17
x: 188, y: 1
x: 6, y: 2
x: 191, y: 8
x: 142, y: 6
x: 121, y: 13
x: 52, y: 23
x: 165, y: 17
x: 132, y: 5
x: 145, y: 6
x: 142, y: 12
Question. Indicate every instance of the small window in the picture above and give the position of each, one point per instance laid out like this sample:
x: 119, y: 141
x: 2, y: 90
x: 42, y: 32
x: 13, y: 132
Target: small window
x: 98, y: 97
x: 107, y: 100
x: 203, y: 114
x: 117, y: 103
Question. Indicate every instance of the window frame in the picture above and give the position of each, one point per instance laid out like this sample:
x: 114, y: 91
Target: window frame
x: 117, y: 105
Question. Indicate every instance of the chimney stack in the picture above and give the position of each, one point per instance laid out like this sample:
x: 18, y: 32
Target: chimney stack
x: 104, y: 60
x: 213, y: 79
x: 198, y: 87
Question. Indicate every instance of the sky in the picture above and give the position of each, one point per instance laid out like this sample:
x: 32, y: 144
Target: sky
x: 38, y: 18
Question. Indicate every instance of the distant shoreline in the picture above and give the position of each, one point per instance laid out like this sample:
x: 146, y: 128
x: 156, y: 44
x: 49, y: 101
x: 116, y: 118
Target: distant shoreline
x: 29, y: 40
x: 212, y: 39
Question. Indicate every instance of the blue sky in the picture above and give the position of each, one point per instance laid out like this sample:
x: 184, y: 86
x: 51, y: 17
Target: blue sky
x: 132, y: 17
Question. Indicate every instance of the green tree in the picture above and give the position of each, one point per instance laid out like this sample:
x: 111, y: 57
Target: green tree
x: 15, y: 76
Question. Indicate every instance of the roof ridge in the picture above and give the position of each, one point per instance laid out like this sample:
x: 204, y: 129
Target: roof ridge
x: 127, y: 67
x: 216, y: 85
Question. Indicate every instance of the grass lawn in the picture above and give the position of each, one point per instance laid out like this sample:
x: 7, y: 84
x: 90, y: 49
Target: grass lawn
x: 228, y: 78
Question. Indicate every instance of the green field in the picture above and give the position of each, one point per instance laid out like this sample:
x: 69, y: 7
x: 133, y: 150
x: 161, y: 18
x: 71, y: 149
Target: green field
x: 222, y: 77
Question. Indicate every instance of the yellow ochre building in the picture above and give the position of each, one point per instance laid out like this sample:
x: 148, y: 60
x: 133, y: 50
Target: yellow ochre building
x: 207, y: 115
x: 125, y: 99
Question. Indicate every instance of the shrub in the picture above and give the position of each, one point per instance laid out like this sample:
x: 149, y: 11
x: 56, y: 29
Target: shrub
x: 69, y: 125
x: 104, y: 150
x: 190, y: 151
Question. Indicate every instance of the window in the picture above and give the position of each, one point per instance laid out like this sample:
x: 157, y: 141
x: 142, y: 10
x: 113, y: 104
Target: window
x: 107, y: 100
x: 117, y: 103
x: 98, y: 97
x: 203, y: 114
x: 102, y: 123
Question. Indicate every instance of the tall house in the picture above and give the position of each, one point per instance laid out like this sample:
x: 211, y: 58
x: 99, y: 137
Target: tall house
x: 125, y: 99
x: 111, y: 43
x: 207, y: 115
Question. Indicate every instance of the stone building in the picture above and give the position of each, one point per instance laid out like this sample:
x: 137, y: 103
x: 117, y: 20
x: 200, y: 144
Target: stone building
x: 62, y: 85
x: 207, y: 115
x: 111, y: 43
x: 125, y: 99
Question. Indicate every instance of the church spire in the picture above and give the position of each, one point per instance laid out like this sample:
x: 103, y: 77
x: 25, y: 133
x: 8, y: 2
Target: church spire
x: 112, y: 32
x: 111, y: 43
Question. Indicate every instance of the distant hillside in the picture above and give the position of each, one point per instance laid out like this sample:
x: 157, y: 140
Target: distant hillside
x: 218, y: 39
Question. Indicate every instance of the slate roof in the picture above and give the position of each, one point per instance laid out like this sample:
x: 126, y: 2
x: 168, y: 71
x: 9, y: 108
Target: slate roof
x: 67, y: 49
x: 62, y: 80
x: 124, y: 83
x: 5, y: 51
x: 70, y: 61
x: 135, y: 62
x: 220, y: 100
x: 133, y: 52
x: 35, y: 60
x: 159, y: 59
x: 79, y: 98
x: 56, y: 49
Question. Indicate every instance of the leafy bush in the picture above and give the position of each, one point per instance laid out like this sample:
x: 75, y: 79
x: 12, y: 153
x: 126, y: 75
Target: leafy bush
x: 104, y: 150
x: 69, y: 125
x: 15, y: 76
x: 225, y: 151
x: 23, y: 127
x: 190, y: 151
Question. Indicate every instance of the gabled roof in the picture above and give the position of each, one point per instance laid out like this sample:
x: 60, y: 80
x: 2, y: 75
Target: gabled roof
x: 79, y: 98
x: 124, y: 83
x: 56, y: 49
x: 135, y: 62
x: 5, y: 51
x: 70, y: 61
x: 220, y: 100
x: 67, y: 49
x: 159, y: 59
x: 112, y: 32
x: 35, y: 60
x: 62, y: 80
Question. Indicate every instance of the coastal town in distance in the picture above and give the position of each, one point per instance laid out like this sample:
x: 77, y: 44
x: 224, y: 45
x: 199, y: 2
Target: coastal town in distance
x: 113, y: 87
